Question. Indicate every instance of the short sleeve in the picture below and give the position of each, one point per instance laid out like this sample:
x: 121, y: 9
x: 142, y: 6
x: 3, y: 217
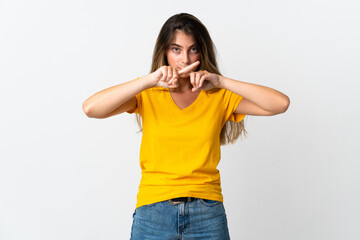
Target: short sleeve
x: 231, y: 102
x: 138, y: 108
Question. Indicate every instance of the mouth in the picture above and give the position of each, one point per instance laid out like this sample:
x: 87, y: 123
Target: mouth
x: 180, y: 67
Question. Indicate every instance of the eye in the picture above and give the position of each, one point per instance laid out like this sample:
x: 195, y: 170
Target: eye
x: 175, y: 49
x: 194, y: 50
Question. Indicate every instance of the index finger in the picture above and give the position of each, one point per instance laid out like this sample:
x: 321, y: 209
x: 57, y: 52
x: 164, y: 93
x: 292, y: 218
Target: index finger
x: 189, y: 68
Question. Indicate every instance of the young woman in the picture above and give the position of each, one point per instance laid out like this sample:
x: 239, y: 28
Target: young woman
x: 188, y: 109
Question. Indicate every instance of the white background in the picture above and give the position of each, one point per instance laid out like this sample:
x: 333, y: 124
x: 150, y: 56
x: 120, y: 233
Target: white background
x: 64, y: 176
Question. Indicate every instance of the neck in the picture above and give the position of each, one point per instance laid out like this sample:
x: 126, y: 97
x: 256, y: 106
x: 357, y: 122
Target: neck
x: 184, y: 85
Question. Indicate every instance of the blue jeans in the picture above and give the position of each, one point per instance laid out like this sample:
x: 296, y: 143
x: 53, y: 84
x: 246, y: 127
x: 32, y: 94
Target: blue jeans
x: 198, y: 219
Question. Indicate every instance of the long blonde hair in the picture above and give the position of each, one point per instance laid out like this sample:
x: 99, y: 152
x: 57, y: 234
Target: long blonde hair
x: 192, y: 26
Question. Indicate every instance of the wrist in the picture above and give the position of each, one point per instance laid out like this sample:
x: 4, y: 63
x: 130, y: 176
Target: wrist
x: 149, y: 80
x: 222, y: 82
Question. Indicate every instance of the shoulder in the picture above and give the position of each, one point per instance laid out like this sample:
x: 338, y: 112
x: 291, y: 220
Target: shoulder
x: 154, y: 94
x: 218, y: 93
x: 153, y: 91
x: 215, y: 92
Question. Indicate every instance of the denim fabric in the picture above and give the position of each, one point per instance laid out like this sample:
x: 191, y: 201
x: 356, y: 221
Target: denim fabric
x: 198, y: 219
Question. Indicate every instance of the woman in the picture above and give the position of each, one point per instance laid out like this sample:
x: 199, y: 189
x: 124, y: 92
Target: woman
x: 188, y: 109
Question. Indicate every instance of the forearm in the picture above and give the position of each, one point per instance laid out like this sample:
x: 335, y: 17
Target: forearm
x: 109, y: 99
x: 266, y: 98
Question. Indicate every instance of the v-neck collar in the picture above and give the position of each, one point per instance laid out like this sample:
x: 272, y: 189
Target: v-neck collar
x: 190, y: 106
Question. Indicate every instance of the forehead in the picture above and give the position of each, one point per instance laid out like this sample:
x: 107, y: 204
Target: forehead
x: 183, y: 39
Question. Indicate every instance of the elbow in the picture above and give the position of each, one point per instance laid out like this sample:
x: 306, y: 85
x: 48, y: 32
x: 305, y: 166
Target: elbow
x: 87, y: 110
x: 91, y: 112
x: 284, y: 104
x: 281, y: 107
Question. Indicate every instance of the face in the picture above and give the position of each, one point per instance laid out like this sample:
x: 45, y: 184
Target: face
x: 182, y: 51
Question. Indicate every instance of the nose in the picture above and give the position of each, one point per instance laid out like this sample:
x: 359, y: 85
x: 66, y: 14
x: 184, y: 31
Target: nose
x: 185, y: 58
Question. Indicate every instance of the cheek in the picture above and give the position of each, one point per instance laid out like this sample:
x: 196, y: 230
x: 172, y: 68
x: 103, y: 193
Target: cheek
x: 171, y: 59
x: 195, y: 58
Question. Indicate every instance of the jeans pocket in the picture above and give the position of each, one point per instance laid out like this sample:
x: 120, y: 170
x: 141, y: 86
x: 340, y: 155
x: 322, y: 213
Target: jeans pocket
x: 209, y: 203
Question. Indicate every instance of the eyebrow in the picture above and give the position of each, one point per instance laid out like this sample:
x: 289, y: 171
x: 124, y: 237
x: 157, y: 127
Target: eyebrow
x: 177, y: 45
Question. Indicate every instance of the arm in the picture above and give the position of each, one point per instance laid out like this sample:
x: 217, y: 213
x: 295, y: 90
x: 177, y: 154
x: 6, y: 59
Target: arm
x: 121, y: 98
x: 116, y: 99
x: 257, y: 100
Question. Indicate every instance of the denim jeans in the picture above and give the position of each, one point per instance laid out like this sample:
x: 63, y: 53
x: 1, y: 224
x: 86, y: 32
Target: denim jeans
x: 198, y: 219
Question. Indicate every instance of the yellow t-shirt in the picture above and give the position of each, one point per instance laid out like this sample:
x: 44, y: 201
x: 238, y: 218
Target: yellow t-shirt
x: 180, y: 148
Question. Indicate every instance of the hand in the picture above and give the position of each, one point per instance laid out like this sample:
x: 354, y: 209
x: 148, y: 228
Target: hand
x: 168, y: 77
x: 204, y: 80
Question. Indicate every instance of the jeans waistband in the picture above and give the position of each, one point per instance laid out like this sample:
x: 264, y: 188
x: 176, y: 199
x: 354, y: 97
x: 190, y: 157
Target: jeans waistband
x: 179, y: 200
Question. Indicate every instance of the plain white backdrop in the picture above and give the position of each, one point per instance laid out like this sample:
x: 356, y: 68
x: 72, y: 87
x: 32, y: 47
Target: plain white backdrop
x: 64, y: 176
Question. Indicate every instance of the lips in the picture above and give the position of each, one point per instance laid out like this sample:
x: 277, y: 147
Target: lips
x: 181, y: 67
